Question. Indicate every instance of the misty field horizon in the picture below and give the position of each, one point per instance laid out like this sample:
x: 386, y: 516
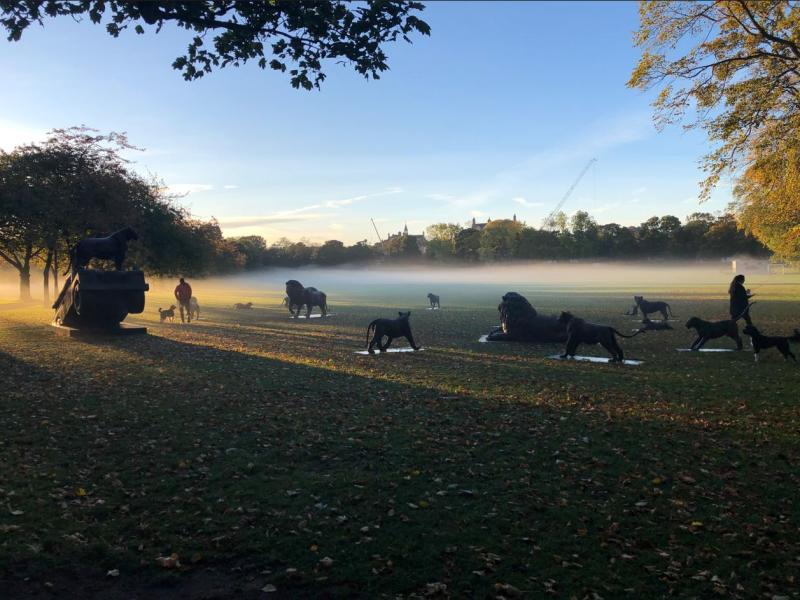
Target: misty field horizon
x: 268, y: 284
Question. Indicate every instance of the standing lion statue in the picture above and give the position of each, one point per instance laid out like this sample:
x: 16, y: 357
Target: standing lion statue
x: 519, y: 322
x: 309, y: 297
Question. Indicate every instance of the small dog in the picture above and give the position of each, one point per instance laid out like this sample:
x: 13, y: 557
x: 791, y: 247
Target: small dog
x: 760, y: 341
x: 243, y: 306
x: 168, y: 313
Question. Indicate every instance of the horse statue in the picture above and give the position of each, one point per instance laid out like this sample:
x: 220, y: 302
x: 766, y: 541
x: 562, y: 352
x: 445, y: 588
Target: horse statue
x: 114, y: 247
x: 308, y: 296
x: 95, y: 299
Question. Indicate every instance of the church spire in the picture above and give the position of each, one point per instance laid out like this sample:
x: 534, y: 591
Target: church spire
x: 405, y: 229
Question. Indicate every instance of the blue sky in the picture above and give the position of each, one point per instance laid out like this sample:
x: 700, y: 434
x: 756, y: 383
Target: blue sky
x: 495, y: 114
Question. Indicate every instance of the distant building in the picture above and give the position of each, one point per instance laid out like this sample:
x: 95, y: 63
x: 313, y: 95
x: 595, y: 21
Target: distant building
x: 419, y: 240
x: 482, y: 226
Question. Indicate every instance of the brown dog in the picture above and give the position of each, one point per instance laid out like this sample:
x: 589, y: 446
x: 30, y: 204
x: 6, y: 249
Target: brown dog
x: 168, y: 313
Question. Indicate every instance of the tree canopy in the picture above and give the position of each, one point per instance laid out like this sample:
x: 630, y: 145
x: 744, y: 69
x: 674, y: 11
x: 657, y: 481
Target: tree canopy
x: 768, y: 200
x: 291, y: 36
x: 733, y: 66
x: 77, y: 184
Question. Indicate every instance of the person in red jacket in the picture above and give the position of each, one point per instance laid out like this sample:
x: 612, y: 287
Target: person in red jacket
x: 183, y: 293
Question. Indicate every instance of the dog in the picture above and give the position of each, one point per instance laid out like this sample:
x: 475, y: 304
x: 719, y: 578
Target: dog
x: 434, y: 300
x: 646, y: 307
x: 243, y: 306
x: 581, y: 332
x: 711, y: 330
x: 194, y: 308
x: 168, y: 313
x: 760, y: 341
x: 391, y: 329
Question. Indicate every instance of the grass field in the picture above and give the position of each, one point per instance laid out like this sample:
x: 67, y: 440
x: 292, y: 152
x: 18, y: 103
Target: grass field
x: 268, y: 456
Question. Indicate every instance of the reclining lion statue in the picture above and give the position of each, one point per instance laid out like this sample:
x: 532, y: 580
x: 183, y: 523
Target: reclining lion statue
x: 519, y: 322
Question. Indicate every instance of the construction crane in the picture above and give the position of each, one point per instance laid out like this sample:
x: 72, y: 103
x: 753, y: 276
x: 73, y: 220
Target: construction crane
x: 549, y: 222
x: 376, y: 230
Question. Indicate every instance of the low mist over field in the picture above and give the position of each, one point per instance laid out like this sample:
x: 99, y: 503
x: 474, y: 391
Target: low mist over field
x: 458, y: 285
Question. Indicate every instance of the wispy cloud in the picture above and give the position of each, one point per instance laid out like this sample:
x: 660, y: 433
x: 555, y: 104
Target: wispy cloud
x: 600, y: 136
x: 304, y: 213
x: 229, y: 187
x: 344, y: 201
x: 440, y: 197
x: 605, y: 208
x: 522, y: 202
x: 182, y: 189
x: 242, y: 222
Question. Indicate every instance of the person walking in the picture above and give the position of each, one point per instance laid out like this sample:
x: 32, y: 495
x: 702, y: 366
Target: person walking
x: 183, y: 294
x: 740, y: 299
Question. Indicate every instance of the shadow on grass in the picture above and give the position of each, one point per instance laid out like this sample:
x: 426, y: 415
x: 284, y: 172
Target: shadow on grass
x: 253, y: 469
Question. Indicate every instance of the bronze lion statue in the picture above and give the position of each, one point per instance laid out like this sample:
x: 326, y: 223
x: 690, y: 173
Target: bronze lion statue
x: 309, y: 297
x: 519, y: 322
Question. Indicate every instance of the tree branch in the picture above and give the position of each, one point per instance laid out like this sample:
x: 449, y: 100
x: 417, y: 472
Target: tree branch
x: 773, y: 38
x: 11, y: 259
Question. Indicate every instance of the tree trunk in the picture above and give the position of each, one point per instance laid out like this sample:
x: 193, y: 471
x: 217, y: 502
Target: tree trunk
x: 55, y: 269
x: 25, y: 284
x: 46, y: 277
x: 25, y: 276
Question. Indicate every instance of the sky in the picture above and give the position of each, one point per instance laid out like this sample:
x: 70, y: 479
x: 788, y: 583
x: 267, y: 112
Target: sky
x: 495, y: 114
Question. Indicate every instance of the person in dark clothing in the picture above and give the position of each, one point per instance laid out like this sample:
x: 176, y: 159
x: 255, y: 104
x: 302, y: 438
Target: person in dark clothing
x: 183, y: 294
x: 740, y: 298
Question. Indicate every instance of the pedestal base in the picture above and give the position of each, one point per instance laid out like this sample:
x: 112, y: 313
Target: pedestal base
x: 88, y: 332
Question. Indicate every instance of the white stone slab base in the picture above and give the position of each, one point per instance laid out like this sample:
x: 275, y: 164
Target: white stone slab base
x: 594, y: 359
x: 390, y: 350
x: 707, y: 350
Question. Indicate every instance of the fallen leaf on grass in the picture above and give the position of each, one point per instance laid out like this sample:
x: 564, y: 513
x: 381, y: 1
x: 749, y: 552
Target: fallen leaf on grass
x: 169, y: 562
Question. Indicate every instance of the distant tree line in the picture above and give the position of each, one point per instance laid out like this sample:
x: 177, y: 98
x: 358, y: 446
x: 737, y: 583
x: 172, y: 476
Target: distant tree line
x: 700, y: 236
x: 77, y: 184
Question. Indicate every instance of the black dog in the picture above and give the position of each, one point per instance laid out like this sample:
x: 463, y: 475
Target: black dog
x: 391, y: 328
x: 711, y: 330
x: 646, y: 307
x: 581, y: 332
x: 760, y: 341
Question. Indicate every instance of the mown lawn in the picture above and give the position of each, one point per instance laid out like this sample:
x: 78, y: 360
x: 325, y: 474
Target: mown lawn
x: 266, y: 455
